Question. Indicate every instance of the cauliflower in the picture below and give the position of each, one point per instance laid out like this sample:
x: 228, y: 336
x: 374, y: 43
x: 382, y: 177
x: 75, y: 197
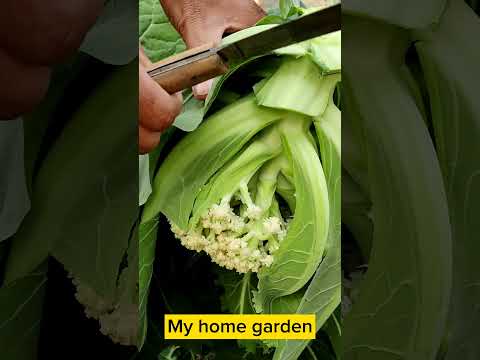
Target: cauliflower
x: 121, y: 324
x: 95, y: 305
x: 248, y: 186
x: 117, y: 317
x: 244, y: 242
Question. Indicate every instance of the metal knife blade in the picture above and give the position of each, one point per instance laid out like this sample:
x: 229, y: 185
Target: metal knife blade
x: 309, y: 26
x: 206, y: 62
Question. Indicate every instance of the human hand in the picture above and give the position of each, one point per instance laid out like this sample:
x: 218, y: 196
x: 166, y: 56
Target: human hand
x: 157, y: 109
x: 34, y: 35
x: 206, y: 21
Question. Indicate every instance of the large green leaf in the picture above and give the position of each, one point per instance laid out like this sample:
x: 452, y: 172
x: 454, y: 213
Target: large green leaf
x: 192, y: 112
x: 302, y: 249
x: 356, y: 214
x: 144, y: 183
x: 289, y: 8
x: 82, y: 210
x: 14, y: 199
x: 402, y: 308
x: 450, y: 59
x: 238, y: 297
x: 20, y: 316
x: 158, y: 37
x: 196, y: 158
x: 308, y: 90
x: 324, y: 292
x: 408, y: 14
x: 147, y: 242
x: 113, y: 38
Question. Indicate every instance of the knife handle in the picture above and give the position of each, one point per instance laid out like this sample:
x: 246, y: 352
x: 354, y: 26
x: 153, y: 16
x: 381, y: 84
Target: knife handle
x: 189, y: 73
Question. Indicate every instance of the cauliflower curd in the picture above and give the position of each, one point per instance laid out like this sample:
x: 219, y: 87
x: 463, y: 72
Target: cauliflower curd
x: 243, y: 242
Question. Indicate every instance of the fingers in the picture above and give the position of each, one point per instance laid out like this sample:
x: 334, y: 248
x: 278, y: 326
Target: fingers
x: 200, y: 91
x: 205, y: 21
x: 23, y: 86
x: 157, y: 111
x: 147, y: 139
x: 193, y: 38
x: 248, y: 14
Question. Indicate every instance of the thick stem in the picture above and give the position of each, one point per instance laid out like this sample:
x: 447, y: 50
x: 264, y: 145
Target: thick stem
x: 267, y: 183
x: 234, y: 177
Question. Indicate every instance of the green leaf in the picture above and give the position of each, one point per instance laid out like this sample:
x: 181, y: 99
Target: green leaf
x: 112, y: 39
x: 242, y: 168
x: 196, y: 158
x: 308, y: 90
x: 158, y: 152
x: 289, y: 8
x: 36, y: 124
x: 238, y: 297
x: 129, y: 275
x: 148, y: 238
x: 192, y: 113
x: 318, y: 349
x: 354, y: 156
x: 303, y: 247
x: 220, y: 81
x: 449, y: 59
x: 239, y: 35
x: 144, y: 183
x: 271, y: 19
x: 14, y: 199
x: 356, y: 214
x: 325, y: 51
x: 406, y: 14
x: 82, y: 211
x: 21, y: 314
x: 324, y: 292
x: 169, y: 353
x: 158, y: 37
x: 333, y: 329
x: 402, y: 307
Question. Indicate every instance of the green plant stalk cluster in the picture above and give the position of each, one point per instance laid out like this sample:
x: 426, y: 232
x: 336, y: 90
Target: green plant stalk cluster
x: 249, y: 186
x: 255, y: 185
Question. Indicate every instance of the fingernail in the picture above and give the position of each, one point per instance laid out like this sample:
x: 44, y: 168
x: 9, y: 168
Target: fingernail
x: 201, y: 90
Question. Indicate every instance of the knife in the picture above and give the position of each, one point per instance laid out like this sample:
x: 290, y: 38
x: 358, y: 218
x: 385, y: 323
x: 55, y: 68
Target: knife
x: 202, y: 63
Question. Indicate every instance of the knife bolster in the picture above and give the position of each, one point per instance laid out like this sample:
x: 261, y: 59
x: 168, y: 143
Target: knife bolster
x: 189, y: 74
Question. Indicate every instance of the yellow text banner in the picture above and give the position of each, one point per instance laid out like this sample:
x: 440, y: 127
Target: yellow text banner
x: 271, y: 327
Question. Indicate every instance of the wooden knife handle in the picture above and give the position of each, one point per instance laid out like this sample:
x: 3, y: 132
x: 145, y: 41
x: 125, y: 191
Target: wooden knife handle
x: 183, y: 76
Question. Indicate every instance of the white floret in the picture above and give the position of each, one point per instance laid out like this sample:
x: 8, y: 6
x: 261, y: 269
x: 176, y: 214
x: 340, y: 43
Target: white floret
x: 267, y: 260
x: 177, y: 231
x: 194, y: 241
x: 121, y: 325
x: 243, y: 243
x: 237, y: 224
x: 273, y: 247
x: 234, y: 245
x: 220, y: 212
x: 245, y: 252
x: 94, y: 304
x: 218, y: 227
x: 254, y: 212
x: 272, y: 225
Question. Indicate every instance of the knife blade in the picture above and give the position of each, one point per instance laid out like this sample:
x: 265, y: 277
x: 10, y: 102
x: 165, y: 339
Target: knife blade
x: 199, y: 64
